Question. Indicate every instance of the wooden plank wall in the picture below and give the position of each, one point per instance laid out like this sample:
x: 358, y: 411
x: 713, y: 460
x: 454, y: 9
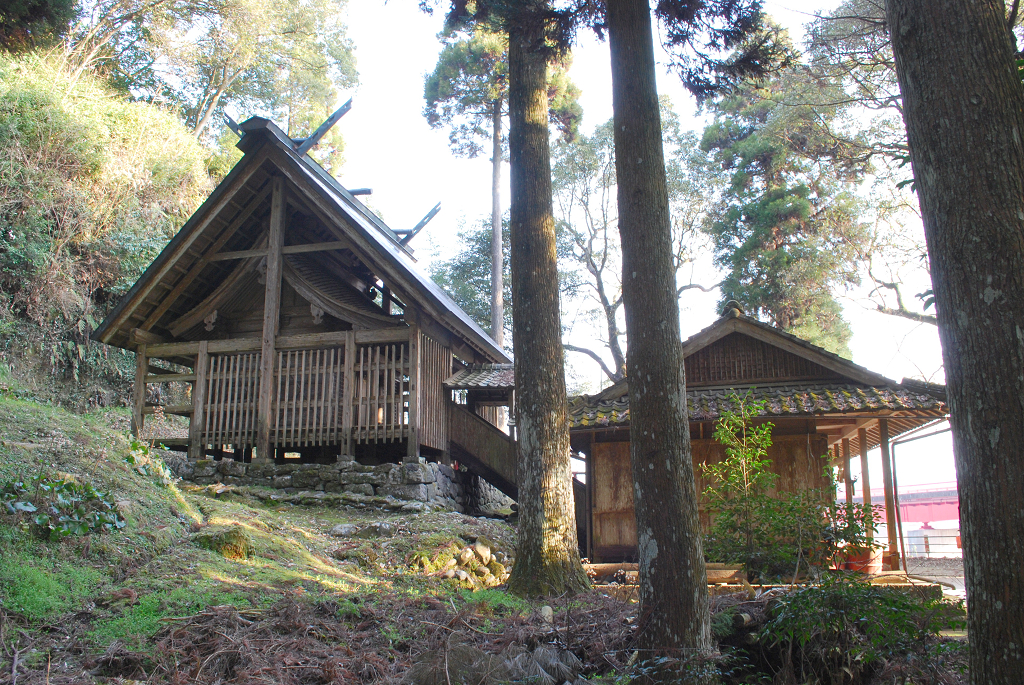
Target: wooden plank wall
x: 436, y: 361
x: 310, y: 385
x: 796, y: 459
x: 381, y: 392
x: 229, y: 411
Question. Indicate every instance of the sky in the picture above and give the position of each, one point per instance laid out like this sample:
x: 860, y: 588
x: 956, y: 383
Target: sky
x: 391, y: 149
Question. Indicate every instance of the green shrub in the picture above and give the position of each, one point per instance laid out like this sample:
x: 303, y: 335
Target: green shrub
x: 57, y: 508
x: 845, y: 628
x: 92, y: 186
x: 773, y: 534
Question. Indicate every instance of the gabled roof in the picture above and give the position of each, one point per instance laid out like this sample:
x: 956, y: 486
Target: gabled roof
x: 265, y: 144
x: 736, y: 322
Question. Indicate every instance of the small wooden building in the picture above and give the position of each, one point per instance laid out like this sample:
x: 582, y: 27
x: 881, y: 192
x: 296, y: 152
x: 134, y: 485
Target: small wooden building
x: 824, y: 409
x: 300, y: 324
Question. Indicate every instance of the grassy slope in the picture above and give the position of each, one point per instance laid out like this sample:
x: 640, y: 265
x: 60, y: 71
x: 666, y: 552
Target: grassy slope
x: 119, y: 586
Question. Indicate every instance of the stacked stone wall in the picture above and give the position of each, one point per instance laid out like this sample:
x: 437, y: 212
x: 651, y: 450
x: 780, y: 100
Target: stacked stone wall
x: 431, y: 483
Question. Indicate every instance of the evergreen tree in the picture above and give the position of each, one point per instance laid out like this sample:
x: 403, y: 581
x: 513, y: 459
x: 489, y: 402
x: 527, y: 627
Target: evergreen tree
x: 468, y: 93
x: 787, y: 230
x: 547, y: 553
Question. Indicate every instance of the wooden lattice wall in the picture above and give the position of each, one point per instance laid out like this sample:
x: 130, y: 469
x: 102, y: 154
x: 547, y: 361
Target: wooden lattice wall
x: 435, y: 367
x: 741, y: 358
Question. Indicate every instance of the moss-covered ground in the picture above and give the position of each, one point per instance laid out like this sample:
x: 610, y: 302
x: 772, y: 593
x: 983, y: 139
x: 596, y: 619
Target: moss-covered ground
x: 76, y: 597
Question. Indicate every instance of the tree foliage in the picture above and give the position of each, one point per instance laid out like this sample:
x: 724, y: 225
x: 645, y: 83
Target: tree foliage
x: 91, y: 188
x: 28, y: 24
x: 283, y: 59
x: 788, y: 229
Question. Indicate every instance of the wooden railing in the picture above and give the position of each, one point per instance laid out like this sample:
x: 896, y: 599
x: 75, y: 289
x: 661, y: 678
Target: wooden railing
x: 229, y: 417
x: 329, y: 389
x: 308, y: 406
x: 382, y: 388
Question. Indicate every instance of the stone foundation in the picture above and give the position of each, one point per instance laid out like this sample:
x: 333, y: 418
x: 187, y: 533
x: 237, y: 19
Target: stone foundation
x: 431, y: 483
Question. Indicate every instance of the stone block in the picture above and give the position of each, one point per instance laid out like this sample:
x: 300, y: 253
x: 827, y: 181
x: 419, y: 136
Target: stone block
x: 305, y: 479
x: 359, y: 488
x: 447, y: 471
x: 410, y: 492
x: 344, y: 530
x: 332, y: 487
x: 282, y: 482
x: 418, y: 473
x: 354, y: 477
x: 205, y: 468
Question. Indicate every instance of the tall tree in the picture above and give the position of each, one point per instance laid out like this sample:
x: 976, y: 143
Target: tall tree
x: 468, y: 93
x: 964, y: 111
x: 583, y: 174
x: 547, y: 554
x: 788, y: 230
x: 672, y: 579
x: 285, y: 59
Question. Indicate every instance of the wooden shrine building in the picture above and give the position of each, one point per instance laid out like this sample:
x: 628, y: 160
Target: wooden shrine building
x: 299, y: 323
x: 824, y: 408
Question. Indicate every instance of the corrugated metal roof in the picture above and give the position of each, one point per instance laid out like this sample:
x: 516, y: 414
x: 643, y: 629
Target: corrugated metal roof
x: 483, y: 376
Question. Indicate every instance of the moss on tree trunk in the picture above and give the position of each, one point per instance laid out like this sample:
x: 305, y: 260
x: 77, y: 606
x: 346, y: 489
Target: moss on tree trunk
x: 547, y: 557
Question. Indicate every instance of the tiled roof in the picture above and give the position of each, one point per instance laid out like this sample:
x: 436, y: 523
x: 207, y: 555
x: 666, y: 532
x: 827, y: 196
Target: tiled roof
x: 483, y: 376
x: 707, y: 404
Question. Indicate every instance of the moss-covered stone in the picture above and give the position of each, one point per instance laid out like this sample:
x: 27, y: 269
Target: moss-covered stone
x: 232, y: 542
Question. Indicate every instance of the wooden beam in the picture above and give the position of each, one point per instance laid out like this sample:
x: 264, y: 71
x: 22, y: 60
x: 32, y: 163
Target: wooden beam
x: 195, y: 426
x: 141, y: 337
x: 283, y: 342
x: 170, y: 377
x: 184, y: 246
x: 139, y: 391
x: 271, y: 318
x: 348, y: 390
x: 237, y: 254
x: 865, y: 474
x: 847, y: 476
x: 893, y: 555
x: 413, y: 453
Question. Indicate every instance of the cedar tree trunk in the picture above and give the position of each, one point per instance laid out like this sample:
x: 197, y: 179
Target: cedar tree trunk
x: 547, y: 555
x: 673, y: 579
x: 497, y: 259
x: 964, y: 111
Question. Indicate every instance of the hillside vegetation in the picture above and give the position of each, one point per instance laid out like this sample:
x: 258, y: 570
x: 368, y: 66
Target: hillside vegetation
x: 92, y: 185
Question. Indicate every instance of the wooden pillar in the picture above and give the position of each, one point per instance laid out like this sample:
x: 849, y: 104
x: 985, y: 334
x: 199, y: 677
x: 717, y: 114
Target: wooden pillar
x: 865, y: 475
x: 893, y: 556
x: 348, y: 391
x: 589, y: 466
x: 413, y: 453
x: 196, y: 448
x: 847, y: 476
x: 271, y: 320
x: 139, y: 391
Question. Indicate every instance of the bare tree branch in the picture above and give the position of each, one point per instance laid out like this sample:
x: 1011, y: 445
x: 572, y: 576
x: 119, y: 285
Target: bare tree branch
x: 698, y: 286
x: 907, y: 314
x: 596, y: 357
